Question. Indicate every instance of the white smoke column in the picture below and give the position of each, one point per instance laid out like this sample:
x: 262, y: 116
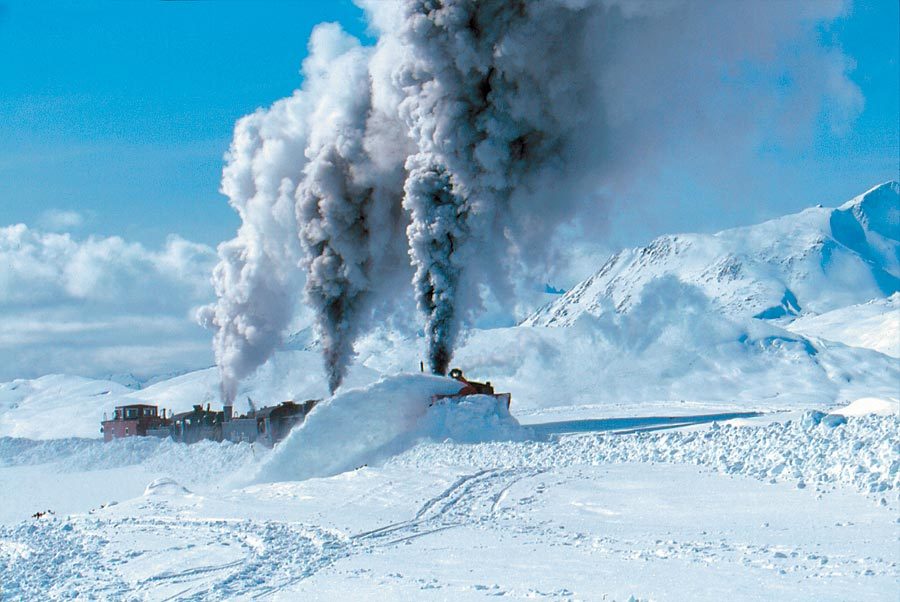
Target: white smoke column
x: 259, y: 277
x: 345, y: 208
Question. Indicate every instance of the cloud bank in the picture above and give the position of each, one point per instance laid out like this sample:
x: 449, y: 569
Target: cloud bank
x: 99, y: 306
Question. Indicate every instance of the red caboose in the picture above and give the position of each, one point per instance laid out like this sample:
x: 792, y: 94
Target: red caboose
x: 132, y: 420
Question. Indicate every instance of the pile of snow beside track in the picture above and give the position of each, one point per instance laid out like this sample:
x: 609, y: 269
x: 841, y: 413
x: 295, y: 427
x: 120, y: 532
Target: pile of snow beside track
x: 202, y: 462
x: 863, y: 453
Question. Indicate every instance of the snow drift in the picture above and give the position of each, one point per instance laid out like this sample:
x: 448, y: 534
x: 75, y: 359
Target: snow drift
x: 367, y: 425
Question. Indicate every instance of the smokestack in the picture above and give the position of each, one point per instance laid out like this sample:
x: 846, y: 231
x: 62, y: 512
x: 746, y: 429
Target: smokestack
x: 228, y: 409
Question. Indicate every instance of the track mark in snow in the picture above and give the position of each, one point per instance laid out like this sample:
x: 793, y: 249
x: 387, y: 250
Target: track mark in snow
x: 472, y: 499
x: 84, y: 558
x: 423, y: 510
x: 87, y: 556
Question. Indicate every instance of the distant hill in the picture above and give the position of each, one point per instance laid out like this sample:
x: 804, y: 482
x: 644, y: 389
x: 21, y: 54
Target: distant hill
x: 873, y: 325
x: 811, y: 262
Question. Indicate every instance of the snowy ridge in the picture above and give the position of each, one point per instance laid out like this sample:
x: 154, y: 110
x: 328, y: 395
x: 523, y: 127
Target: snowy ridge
x: 32, y: 408
x: 815, y: 261
x: 873, y: 325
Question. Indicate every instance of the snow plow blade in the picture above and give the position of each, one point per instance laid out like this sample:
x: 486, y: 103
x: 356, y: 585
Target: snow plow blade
x: 471, y: 387
x: 503, y: 399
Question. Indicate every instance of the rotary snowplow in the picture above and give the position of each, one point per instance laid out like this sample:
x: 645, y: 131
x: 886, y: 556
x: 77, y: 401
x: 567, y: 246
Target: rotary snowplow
x: 471, y: 387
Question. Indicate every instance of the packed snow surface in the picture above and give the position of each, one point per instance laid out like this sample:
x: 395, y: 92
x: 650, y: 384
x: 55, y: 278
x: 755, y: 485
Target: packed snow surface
x: 795, y: 509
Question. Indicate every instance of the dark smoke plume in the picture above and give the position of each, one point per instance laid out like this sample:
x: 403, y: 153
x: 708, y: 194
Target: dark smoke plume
x: 347, y: 209
x: 482, y: 128
x: 487, y: 106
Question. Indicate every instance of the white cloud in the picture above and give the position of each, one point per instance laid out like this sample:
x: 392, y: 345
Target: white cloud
x: 100, y: 305
x: 59, y: 220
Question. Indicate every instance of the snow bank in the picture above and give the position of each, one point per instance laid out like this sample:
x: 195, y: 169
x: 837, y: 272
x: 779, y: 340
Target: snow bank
x: 367, y: 425
x: 200, y: 463
x: 861, y: 454
x: 870, y: 405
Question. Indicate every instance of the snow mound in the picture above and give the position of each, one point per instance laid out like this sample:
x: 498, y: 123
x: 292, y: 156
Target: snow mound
x: 165, y: 486
x: 856, y: 453
x: 870, y: 405
x: 367, y: 425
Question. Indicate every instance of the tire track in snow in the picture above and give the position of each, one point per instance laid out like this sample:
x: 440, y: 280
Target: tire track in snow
x: 273, y: 556
x: 471, y: 500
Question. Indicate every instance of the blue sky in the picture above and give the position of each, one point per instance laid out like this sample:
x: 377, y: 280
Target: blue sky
x: 115, y: 116
x: 122, y: 111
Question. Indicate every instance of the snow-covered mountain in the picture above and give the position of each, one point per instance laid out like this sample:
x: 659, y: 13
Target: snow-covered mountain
x: 873, y: 325
x: 815, y: 261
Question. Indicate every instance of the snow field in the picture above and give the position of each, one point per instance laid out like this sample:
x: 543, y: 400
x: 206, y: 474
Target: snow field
x: 200, y: 463
x: 615, y: 515
x: 656, y: 532
x: 458, y: 501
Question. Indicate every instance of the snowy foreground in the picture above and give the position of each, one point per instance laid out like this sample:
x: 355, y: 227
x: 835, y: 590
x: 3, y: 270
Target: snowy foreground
x: 379, y: 497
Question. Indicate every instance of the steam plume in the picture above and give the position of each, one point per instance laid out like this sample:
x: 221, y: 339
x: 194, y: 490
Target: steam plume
x: 490, y: 110
x: 256, y: 275
x: 344, y: 213
x: 482, y: 127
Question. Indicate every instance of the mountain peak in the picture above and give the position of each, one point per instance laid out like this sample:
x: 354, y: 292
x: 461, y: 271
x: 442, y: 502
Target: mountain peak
x: 885, y: 194
x: 809, y: 262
